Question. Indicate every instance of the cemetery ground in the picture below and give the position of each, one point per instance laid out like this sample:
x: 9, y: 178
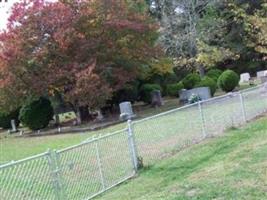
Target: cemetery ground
x: 170, y: 131
x: 233, y: 166
x: 13, y: 147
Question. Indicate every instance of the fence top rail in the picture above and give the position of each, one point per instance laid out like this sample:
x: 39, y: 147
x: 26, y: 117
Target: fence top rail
x: 165, y: 113
x: 252, y: 88
x: 13, y: 163
x: 92, y: 140
x: 191, y: 105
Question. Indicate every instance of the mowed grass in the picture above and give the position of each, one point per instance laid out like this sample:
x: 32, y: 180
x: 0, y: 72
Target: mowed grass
x: 15, y: 148
x: 233, y: 166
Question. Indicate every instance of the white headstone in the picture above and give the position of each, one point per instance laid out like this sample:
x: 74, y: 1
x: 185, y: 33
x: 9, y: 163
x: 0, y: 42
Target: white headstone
x: 126, y: 110
x: 183, y: 95
x: 261, y: 73
x: 100, y: 116
x: 13, y: 125
x: 244, y: 78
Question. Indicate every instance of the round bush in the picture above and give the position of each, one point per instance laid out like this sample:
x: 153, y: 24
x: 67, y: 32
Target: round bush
x: 228, y: 80
x: 5, y: 119
x: 145, y: 92
x: 173, y: 89
x: 191, y: 80
x: 36, y: 114
x: 208, y: 82
x: 214, y: 74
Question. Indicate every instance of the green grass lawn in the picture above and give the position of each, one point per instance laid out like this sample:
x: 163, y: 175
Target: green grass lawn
x: 15, y: 148
x: 233, y: 166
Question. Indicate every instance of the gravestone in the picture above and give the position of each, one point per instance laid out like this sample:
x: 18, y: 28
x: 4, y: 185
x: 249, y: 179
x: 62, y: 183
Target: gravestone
x: 21, y: 133
x: 126, y: 110
x: 100, y: 116
x: 183, y: 96
x: 244, y: 78
x: 13, y: 126
x: 261, y: 74
x: 156, y: 98
x: 202, y: 92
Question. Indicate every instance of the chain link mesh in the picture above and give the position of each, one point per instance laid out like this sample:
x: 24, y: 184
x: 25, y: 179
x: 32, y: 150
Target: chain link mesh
x: 222, y: 113
x: 158, y: 136
x: 27, y: 179
x: 92, y: 167
x: 255, y: 101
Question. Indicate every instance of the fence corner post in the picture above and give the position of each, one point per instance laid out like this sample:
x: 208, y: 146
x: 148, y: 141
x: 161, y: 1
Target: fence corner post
x: 203, y: 123
x: 132, y: 145
x: 243, y: 107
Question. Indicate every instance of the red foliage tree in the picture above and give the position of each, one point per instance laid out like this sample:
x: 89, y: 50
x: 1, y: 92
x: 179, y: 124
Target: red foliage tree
x: 83, y: 49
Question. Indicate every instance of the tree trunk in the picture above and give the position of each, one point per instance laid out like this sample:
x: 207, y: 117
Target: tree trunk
x: 82, y: 114
x: 57, y: 120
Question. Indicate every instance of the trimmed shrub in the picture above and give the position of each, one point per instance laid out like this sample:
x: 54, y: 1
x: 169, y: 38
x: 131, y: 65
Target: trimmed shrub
x: 173, y: 89
x: 214, y: 74
x: 145, y: 92
x: 228, y: 80
x: 208, y: 82
x: 5, y: 119
x: 191, y: 80
x: 37, y: 114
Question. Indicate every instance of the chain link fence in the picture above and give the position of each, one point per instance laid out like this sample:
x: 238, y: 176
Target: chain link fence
x: 88, y: 169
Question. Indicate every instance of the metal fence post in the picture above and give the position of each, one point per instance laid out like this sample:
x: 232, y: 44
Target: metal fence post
x: 100, y: 166
x: 243, y: 107
x: 54, y: 166
x: 132, y: 145
x: 203, y: 123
